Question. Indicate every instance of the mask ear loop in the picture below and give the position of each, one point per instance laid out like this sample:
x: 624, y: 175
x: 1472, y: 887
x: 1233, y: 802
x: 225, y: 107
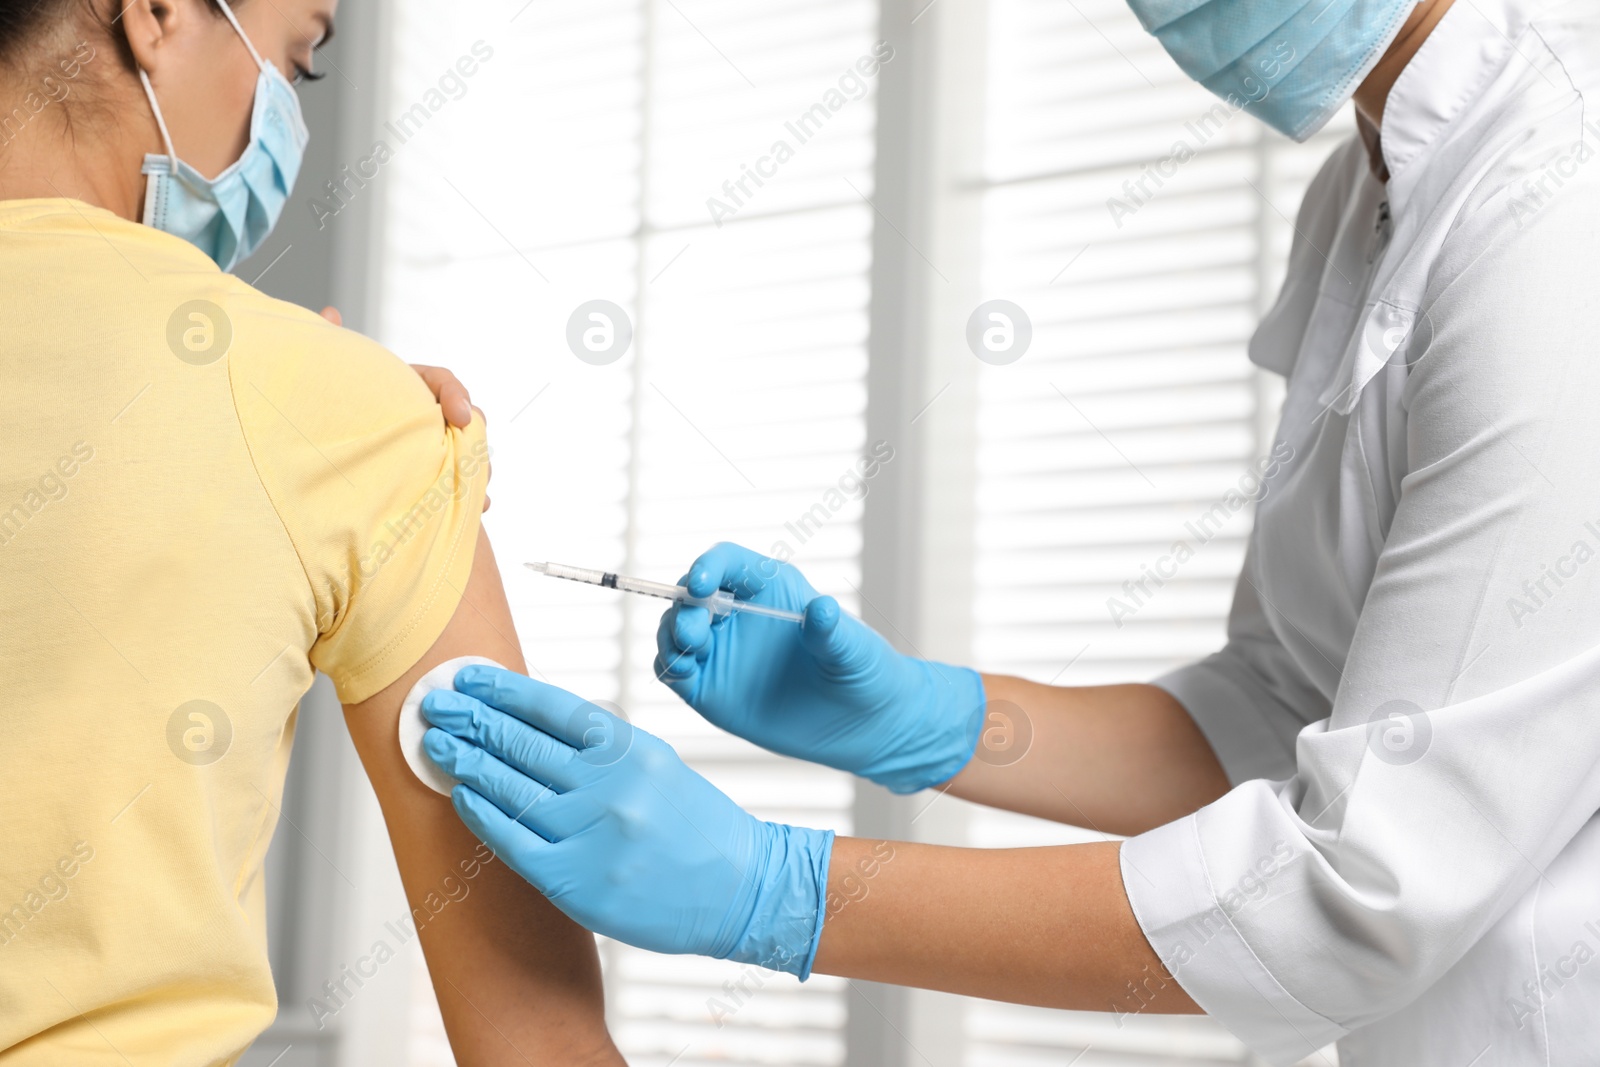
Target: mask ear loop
x: 150, y: 93
x: 166, y: 138
x: 228, y: 11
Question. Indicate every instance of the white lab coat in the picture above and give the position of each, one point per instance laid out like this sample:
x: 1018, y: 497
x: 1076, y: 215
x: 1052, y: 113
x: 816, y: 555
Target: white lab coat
x: 1424, y: 889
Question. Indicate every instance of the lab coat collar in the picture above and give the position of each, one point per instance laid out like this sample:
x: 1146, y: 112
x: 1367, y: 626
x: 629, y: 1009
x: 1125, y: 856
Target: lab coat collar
x: 1466, y: 49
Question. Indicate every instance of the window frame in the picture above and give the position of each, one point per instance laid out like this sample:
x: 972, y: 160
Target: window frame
x: 917, y: 528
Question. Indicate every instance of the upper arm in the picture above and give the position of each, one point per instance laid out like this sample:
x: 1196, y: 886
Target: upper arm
x: 381, y: 500
x: 517, y: 981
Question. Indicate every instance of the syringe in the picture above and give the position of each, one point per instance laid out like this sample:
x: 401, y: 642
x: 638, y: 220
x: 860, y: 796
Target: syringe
x: 721, y: 602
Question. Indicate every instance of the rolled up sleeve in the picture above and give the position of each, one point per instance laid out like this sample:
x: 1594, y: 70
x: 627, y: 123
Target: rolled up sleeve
x: 1462, y: 750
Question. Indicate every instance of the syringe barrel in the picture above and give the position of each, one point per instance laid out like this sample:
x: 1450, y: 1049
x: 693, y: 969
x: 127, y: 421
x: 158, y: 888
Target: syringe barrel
x: 648, y: 588
x: 723, y: 603
x: 718, y: 604
x: 575, y: 574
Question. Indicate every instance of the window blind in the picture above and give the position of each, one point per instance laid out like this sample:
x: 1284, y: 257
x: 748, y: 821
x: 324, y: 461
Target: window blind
x: 629, y: 151
x: 700, y: 165
x: 1143, y: 228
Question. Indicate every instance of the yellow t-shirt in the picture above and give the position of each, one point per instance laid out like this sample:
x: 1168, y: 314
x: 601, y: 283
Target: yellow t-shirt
x: 205, y: 495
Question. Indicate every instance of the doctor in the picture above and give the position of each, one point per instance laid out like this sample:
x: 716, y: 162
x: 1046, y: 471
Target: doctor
x: 1370, y: 818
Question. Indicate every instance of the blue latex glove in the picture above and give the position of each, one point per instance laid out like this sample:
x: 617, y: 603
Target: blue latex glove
x: 830, y: 691
x: 608, y: 823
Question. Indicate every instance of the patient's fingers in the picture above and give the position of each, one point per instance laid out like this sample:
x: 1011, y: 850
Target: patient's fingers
x: 453, y: 397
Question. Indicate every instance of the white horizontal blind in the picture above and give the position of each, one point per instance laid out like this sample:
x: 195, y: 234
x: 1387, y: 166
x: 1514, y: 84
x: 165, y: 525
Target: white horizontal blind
x: 580, y: 166
x: 1142, y: 230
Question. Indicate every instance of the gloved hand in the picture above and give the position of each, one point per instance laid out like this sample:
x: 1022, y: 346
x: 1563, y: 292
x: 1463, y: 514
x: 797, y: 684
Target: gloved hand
x: 830, y: 691
x: 608, y: 823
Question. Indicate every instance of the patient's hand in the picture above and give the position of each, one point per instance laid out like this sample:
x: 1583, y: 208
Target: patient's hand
x: 453, y: 398
x: 450, y: 393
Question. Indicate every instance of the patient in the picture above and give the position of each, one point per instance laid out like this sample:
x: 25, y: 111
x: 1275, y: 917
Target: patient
x: 205, y: 496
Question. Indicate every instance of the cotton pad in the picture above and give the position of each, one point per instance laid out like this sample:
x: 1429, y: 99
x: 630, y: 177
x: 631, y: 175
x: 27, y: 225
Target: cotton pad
x: 413, y: 725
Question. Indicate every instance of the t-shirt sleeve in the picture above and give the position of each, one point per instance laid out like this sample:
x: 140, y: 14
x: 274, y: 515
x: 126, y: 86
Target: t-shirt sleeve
x: 379, y: 496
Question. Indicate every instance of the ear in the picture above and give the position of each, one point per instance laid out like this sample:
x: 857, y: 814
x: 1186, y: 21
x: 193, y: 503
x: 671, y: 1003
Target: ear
x: 150, y: 26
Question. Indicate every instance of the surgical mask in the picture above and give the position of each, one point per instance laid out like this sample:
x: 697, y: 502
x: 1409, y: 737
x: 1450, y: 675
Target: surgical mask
x: 1290, y: 63
x: 229, y: 216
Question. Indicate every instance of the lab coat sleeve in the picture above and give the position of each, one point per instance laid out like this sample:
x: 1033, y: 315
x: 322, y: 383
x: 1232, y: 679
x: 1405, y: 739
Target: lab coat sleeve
x: 1462, y: 752
x: 1251, y: 699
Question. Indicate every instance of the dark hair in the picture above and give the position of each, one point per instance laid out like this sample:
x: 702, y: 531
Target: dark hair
x: 22, y: 20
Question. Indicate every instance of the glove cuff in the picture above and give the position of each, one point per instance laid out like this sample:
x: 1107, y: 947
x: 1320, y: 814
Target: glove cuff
x: 790, y: 902
x: 944, y: 727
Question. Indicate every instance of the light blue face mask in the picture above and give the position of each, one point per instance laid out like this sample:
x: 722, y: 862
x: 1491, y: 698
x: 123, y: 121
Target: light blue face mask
x: 229, y: 216
x: 1290, y: 63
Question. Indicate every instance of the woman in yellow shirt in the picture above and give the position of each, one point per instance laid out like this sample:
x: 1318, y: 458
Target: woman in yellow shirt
x: 205, y: 496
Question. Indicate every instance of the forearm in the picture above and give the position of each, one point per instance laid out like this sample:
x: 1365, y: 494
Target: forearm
x: 1121, y: 759
x: 1044, y: 926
